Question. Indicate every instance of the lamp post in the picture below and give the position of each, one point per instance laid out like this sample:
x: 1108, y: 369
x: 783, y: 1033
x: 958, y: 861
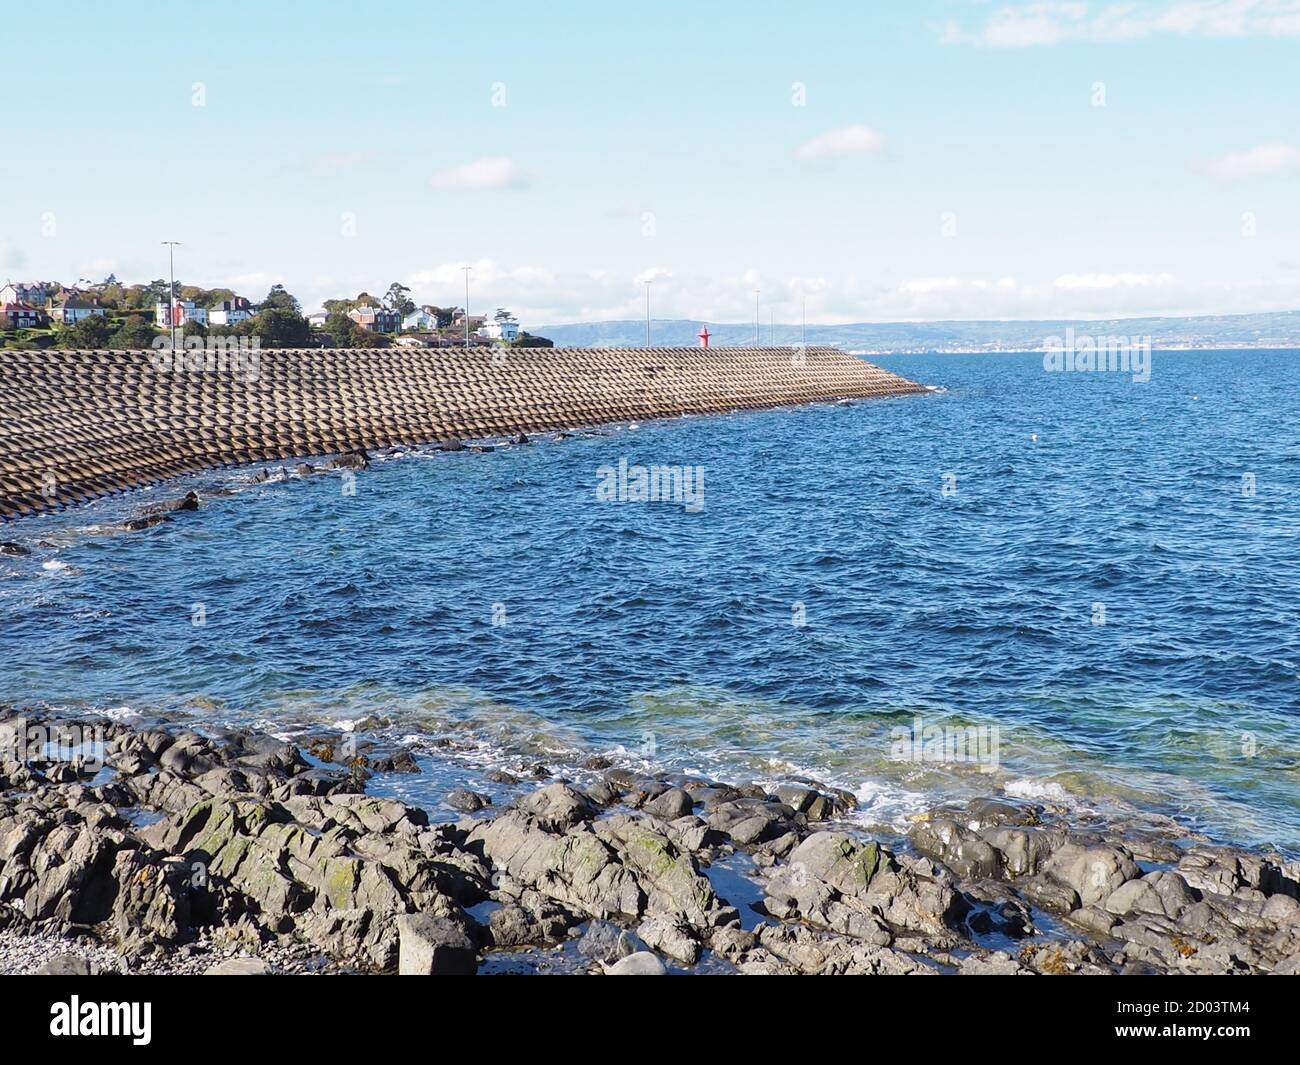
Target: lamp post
x: 647, y: 310
x: 467, y: 269
x: 756, y: 339
x: 171, y: 291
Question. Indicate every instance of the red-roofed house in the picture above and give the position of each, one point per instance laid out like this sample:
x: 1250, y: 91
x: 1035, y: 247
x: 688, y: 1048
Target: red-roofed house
x: 21, y: 315
x: 375, y: 319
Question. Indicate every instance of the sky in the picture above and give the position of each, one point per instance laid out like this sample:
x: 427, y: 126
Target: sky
x: 866, y: 161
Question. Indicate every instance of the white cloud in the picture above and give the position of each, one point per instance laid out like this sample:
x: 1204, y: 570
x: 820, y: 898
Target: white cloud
x: 254, y: 284
x: 836, y: 143
x: 541, y: 296
x: 653, y: 274
x: 1077, y: 282
x: 1274, y: 158
x: 489, y: 172
x: 1055, y: 21
x: 1084, y: 295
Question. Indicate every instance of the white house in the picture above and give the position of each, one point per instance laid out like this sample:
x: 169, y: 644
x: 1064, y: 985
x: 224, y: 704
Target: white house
x: 230, y: 312
x: 183, y: 312
x: 69, y: 309
x: 317, y: 319
x: 419, y: 321
x: 507, y: 330
x: 33, y: 293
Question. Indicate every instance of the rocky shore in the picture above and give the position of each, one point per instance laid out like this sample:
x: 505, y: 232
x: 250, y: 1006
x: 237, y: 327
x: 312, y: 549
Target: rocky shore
x: 236, y: 852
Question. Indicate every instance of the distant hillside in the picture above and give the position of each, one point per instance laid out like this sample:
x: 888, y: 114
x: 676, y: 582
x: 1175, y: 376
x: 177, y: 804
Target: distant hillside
x: 1277, y: 330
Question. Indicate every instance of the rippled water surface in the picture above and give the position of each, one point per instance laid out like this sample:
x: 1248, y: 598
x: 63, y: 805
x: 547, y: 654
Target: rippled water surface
x: 828, y: 593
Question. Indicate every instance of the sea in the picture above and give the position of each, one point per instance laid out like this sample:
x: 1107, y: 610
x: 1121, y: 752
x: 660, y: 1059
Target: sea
x: 1073, y: 588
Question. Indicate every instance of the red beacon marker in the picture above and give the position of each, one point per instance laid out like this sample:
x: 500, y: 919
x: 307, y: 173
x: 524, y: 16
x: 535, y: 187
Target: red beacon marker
x: 704, y: 335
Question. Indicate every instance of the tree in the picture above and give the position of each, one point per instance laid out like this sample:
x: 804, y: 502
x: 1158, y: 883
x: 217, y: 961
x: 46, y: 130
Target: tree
x: 279, y: 299
x: 91, y: 332
x: 341, y: 329
x: 279, y: 327
x: 145, y: 296
x: 527, y: 340
x: 398, y: 299
x: 135, y: 333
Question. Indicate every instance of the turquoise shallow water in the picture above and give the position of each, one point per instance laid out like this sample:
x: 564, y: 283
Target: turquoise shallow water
x: 829, y: 592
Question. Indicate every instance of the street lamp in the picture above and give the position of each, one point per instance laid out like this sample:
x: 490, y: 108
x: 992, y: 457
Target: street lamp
x: 467, y: 269
x: 756, y: 338
x: 171, y: 291
x: 647, y: 310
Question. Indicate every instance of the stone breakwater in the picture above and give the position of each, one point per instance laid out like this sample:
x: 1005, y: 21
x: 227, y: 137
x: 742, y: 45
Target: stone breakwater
x: 79, y: 424
x: 182, y: 844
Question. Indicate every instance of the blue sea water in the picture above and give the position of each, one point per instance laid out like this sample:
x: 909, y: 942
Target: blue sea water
x: 1108, y: 572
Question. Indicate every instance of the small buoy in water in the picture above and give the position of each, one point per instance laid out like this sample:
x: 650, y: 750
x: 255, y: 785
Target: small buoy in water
x: 1033, y: 437
x: 1196, y: 397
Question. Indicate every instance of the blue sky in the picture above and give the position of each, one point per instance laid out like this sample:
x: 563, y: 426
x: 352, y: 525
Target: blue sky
x: 942, y: 159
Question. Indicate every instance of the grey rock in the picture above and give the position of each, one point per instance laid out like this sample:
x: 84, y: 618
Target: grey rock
x: 145, y: 522
x: 959, y: 848
x: 67, y: 965
x: 732, y: 942
x: 838, y: 860
x: 988, y: 813
x: 747, y: 821
x: 837, y: 883
x: 467, y: 801
x: 795, y: 949
x: 351, y: 460
x: 672, y: 937
x: 1022, y: 851
x: 189, y: 501
x: 238, y: 967
x: 1048, y: 894
x: 434, y: 946
x: 578, y: 870
x: 1163, y: 893
x: 606, y: 942
x: 515, y: 925
x: 998, y: 963
x: 557, y: 807
x: 1093, y: 919
x: 670, y: 805
x: 1282, y: 910
x: 690, y: 833
x: 642, y: 963
x: 1094, y: 872
x: 795, y: 796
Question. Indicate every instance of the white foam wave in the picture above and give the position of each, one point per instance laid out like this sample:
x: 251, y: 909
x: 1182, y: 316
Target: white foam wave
x: 1028, y: 788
